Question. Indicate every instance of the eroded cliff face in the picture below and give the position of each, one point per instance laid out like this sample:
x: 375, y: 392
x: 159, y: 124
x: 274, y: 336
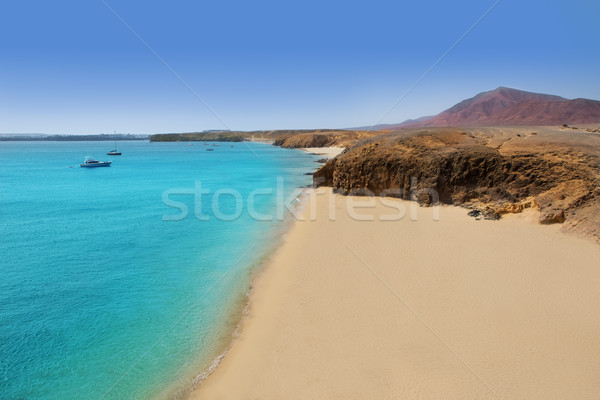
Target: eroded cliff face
x: 324, y: 139
x: 504, y: 171
x: 294, y: 138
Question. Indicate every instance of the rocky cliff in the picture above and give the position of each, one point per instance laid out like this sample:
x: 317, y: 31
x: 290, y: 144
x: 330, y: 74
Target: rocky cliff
x: 324, y: 139
x: 499, y: 170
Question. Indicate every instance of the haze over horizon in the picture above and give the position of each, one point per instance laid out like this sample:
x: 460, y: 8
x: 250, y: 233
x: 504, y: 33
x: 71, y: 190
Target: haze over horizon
x: 74, y: 67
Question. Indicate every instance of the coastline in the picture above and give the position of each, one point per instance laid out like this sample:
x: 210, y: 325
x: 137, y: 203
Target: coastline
x: 328, y: 152
x: 239, y: 310
x: 522, y: 313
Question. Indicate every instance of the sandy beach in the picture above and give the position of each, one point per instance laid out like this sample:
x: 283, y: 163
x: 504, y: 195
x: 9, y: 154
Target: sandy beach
x: 453, y: 308
x: 328, y: 152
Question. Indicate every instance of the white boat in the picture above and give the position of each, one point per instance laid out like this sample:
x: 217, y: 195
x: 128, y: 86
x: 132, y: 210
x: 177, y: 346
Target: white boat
x: 91, y: 163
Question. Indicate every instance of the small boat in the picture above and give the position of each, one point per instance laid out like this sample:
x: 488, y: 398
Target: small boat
x: 91, y: 163
x: 210, y: 149
x: 114, y: 152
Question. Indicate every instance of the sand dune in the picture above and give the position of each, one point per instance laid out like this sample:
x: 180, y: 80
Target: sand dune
x: 426, y: 309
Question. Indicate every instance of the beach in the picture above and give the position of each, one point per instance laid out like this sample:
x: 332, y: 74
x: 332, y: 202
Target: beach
x: 78, y: 313
x: 361, y: 303
x: 293, y: 205
x: 328, y: 152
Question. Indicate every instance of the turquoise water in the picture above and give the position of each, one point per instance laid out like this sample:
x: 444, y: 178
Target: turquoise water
x: 102, y: 296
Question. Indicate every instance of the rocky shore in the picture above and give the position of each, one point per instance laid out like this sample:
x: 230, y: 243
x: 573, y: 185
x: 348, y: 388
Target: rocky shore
x: 492, y: 170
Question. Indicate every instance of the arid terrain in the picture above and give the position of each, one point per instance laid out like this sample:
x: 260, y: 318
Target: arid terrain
x: 298, y: 138
x: 499, y: 152
x: 494, y: 170
x: 509, y: 107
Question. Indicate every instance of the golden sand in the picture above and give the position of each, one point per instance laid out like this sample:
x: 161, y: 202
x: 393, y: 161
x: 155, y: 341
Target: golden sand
x: 418, y: 309
x: 328, y: 152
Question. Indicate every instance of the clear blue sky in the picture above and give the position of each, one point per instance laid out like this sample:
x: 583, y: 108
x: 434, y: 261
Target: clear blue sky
x: 73, y: 67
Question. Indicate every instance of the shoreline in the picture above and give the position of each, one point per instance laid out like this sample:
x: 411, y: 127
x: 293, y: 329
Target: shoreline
x: 328, y: 152
x: 239, y: 310
x: 288, y: 326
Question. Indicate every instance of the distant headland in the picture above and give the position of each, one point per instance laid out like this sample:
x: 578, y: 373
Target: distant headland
x: 28, y: 137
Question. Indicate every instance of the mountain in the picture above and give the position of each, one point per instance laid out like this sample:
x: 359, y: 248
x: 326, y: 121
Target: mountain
x: 506, y: 106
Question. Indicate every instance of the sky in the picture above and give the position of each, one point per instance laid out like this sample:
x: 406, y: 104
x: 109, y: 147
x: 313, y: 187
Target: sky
x: 94, y: 66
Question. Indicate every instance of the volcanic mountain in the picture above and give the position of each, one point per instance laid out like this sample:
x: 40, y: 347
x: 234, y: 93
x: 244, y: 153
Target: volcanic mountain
x: 506, y: 106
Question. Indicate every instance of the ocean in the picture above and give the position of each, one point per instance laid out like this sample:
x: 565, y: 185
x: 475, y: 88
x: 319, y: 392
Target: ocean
x: 125, y: 282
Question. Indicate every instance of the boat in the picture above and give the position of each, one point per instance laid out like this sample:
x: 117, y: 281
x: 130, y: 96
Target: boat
x: 114, y: 152
x: 91, y: 163
x: 210, y: 149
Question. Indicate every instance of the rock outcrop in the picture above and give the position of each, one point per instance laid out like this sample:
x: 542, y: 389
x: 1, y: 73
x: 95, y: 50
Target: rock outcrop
x: 505, y: 171
x: 324, y: 139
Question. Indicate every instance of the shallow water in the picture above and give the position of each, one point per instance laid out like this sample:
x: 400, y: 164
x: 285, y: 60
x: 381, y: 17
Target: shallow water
x: 100, y: 296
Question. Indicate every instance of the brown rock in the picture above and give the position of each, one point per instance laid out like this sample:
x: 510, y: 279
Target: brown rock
x: 555, y: 171
x: 552, y: 216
